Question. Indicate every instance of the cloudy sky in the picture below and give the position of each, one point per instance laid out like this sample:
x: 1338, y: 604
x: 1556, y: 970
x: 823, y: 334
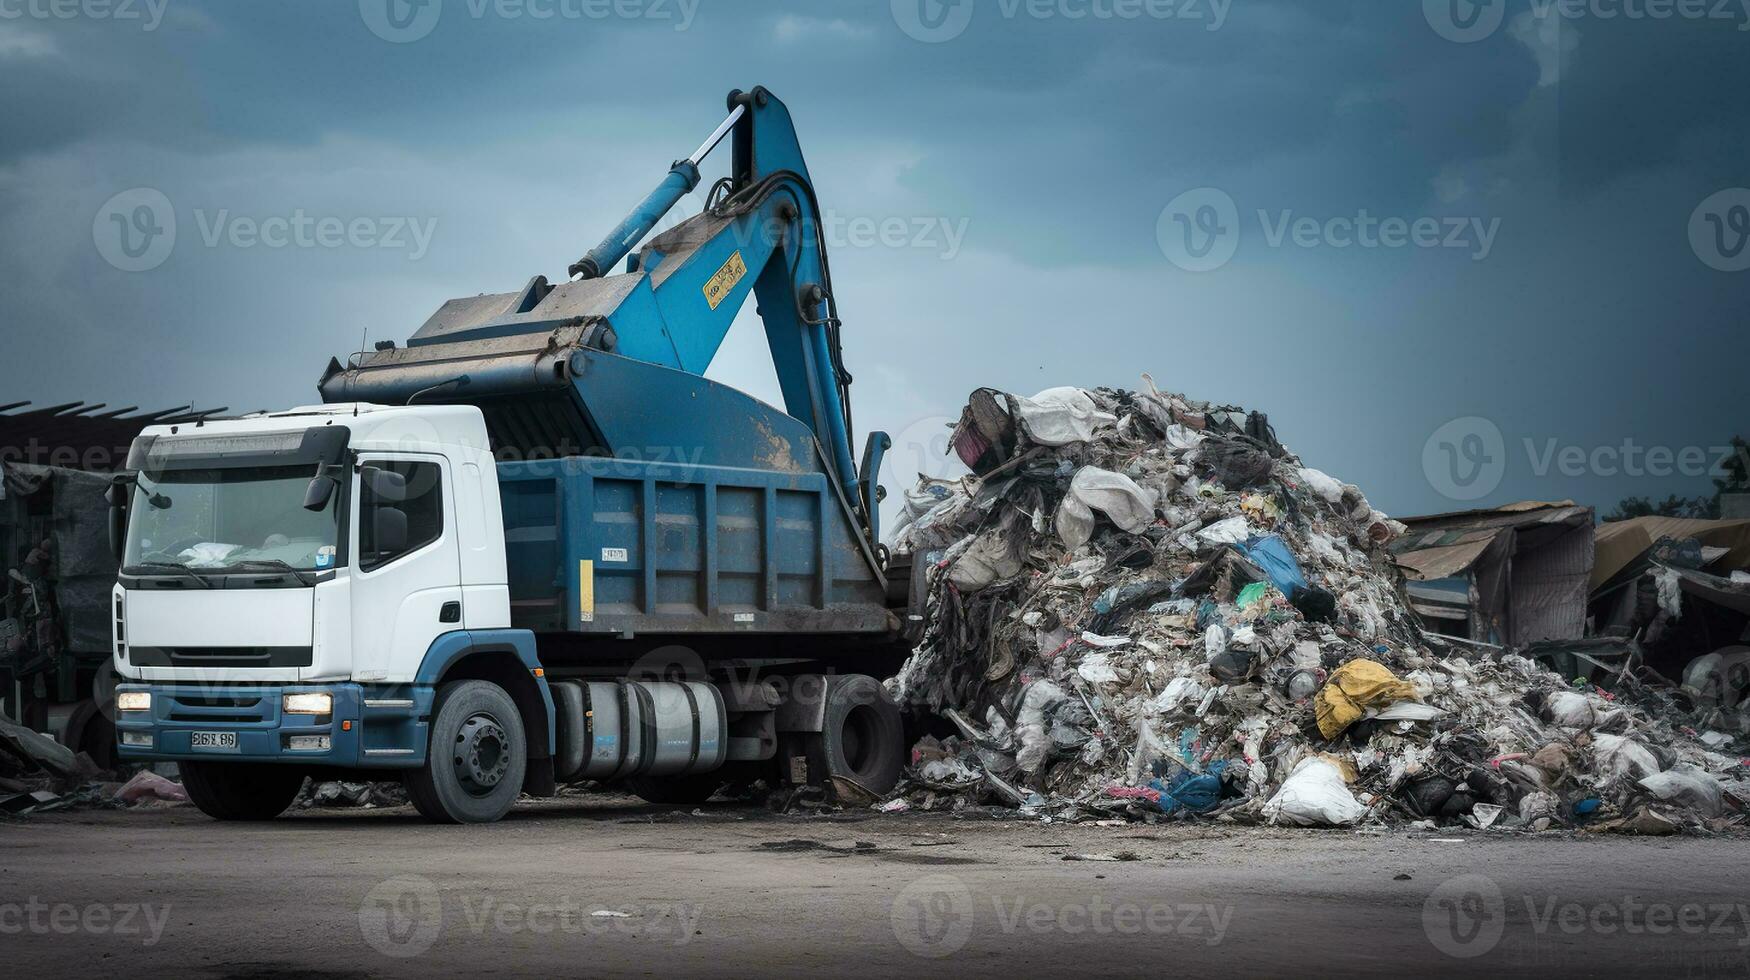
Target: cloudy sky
x: 1461, y: 253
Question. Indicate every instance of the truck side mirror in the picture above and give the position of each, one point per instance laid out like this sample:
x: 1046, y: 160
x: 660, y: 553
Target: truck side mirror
x: 117, y: 496
x: 321, y: 489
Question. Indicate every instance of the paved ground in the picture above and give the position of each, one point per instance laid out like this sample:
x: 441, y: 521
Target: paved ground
x: 740, y: 892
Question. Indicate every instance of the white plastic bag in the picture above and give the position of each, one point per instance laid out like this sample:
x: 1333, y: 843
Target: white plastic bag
x: 1117, y: 496
x: 1620, y: 755
x: 1687, y: 786
x: 1060, y: 416
x: 1313, y: 795
x: 1232, y: 530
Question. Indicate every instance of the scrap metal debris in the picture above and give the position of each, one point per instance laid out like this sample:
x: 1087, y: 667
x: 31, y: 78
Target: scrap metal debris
x: 1140, y: 605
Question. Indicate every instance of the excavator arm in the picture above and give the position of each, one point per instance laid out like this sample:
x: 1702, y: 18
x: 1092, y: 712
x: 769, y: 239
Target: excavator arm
x: 760, y: 233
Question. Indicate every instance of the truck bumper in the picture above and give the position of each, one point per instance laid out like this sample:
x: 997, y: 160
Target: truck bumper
x: 371, y: 726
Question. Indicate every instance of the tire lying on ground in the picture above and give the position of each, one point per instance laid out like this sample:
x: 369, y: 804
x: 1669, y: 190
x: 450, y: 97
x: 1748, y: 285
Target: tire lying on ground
x: 241, y: 790
x: 863, y: 738
x: 474, y: 768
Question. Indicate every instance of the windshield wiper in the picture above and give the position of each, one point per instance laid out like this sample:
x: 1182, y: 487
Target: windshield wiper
x: 295, y: 571
x: 184, y: 569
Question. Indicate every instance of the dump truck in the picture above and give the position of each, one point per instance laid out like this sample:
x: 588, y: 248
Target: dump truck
x: 533, y: 545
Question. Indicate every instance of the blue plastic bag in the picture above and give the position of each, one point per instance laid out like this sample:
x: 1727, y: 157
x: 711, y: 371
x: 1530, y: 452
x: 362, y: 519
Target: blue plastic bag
x: 1271, y: 553
x: 1199, y: 792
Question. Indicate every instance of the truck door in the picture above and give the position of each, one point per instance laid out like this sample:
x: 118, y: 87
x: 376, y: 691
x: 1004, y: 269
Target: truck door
x: 406, y: 564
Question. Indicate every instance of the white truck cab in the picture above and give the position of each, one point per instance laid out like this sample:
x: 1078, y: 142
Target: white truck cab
x: 286, y: 577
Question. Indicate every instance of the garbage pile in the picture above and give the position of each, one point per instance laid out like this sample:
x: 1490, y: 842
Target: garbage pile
x: 1144, y: 606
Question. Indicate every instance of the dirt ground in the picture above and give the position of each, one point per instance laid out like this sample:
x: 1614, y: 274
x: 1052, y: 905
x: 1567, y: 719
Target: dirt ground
x: 609, y: 886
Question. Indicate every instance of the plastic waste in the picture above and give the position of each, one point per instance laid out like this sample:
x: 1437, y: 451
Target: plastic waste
x: 1060, y: 416
x: 1271, y: 554
x: 1314, y: 794
x: 1117, y: 496
x: 1688, y: 786
x: 1352, y: 689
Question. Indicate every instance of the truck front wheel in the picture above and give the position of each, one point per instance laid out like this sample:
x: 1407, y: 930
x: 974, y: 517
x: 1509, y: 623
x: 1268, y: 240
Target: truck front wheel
x: 241, y: 790
x: 474, y: 767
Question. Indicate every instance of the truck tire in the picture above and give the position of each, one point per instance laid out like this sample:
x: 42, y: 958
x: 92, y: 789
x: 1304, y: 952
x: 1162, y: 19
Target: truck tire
x: 474, y: 768
x: 241, y: 790
x: 863, y: 739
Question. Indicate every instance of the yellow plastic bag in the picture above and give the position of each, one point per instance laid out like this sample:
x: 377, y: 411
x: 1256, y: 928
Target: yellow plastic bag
x: 1352, y: 689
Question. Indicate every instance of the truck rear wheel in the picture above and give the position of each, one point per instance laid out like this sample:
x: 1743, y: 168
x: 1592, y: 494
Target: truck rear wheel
x: 863, y: 738
x: 474, y: 767
x: 241, y: 790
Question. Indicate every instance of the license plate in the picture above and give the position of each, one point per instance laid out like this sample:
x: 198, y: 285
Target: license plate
x: 213, y: 740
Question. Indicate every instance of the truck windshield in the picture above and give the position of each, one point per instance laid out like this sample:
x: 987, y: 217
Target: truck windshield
x: 224, y: 518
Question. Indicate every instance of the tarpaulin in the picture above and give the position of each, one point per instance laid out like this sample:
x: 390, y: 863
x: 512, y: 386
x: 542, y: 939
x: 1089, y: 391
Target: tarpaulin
x: 1352, y: 689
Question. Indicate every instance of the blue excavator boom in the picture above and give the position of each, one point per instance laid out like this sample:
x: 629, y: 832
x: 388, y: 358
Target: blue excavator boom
x: 551, y: 364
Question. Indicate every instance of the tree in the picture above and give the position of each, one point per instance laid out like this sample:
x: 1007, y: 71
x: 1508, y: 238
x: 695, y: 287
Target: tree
x: 1672, y: 506
x: 1735, y: 479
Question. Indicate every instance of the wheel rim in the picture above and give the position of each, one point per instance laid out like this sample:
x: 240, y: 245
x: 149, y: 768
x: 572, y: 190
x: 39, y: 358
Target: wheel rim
x: 482, y: 754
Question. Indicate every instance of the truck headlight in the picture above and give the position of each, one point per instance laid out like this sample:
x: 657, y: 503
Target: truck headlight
x: 133, y: 701
x: 311, y: 703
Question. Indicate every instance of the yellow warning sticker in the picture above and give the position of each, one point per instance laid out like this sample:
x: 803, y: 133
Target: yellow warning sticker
x: 722, y: 282
x: 585, y: 590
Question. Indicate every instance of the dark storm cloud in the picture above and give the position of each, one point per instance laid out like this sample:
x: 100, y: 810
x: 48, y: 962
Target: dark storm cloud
x: 1050, y: 143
